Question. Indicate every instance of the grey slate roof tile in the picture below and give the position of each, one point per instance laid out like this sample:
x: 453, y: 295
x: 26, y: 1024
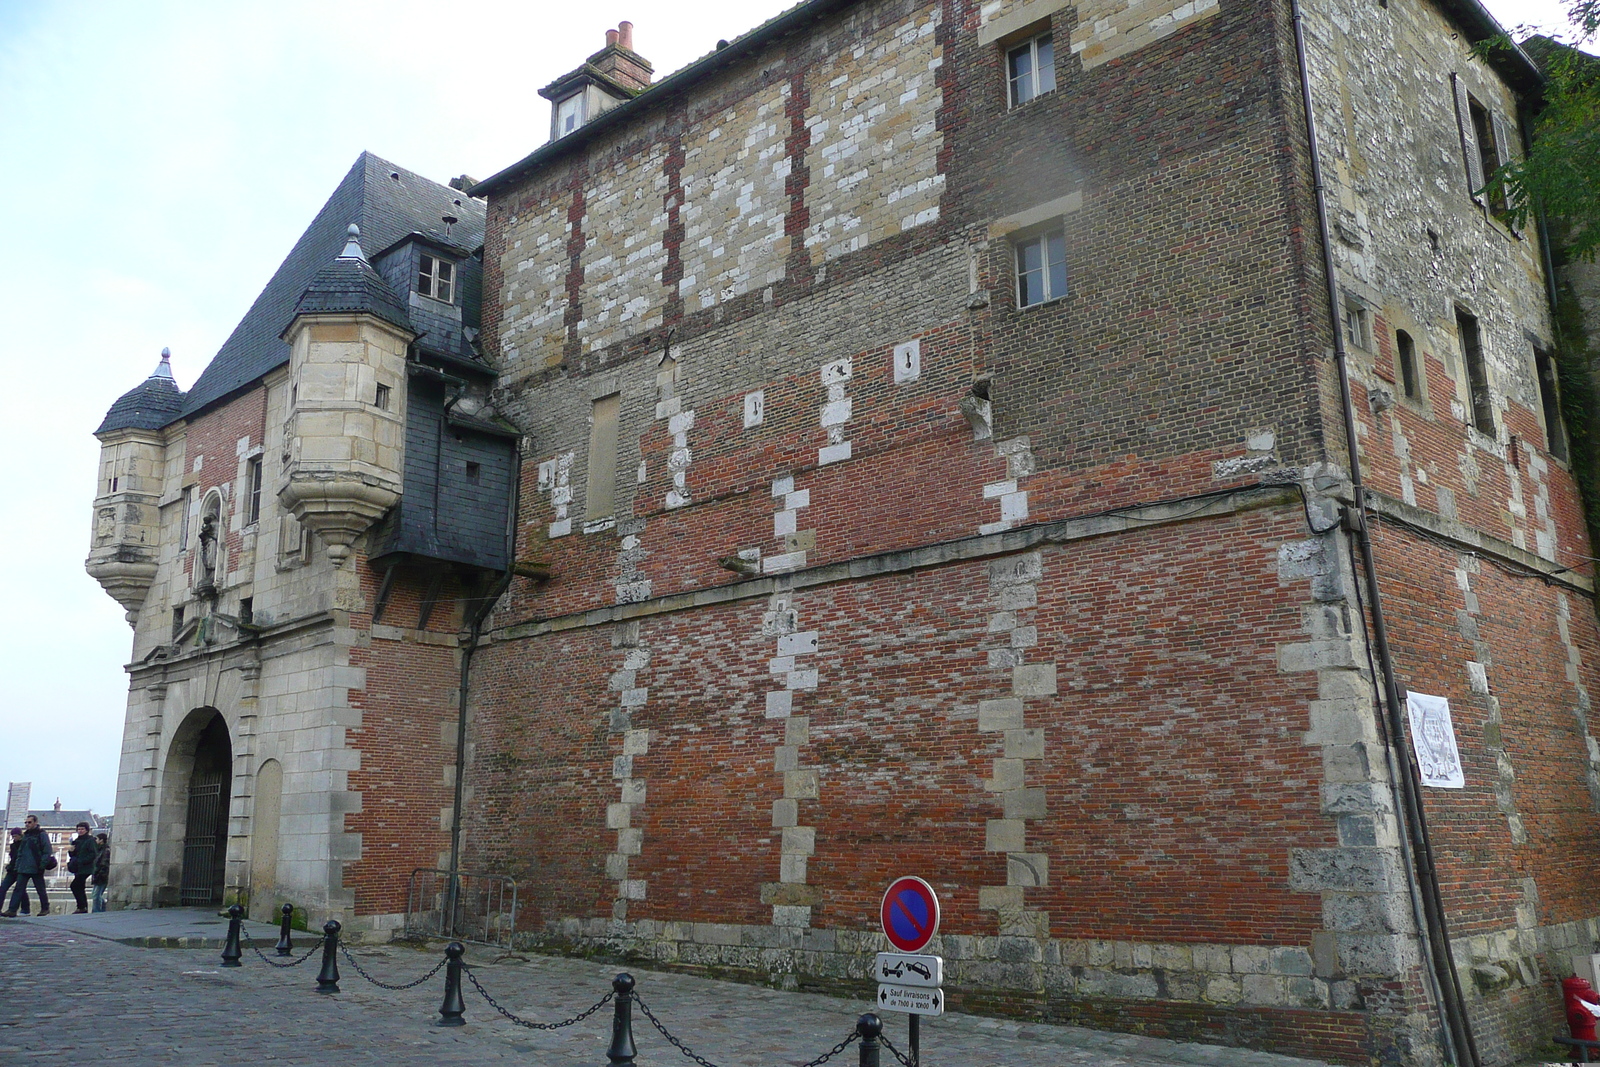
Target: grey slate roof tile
x: 387, y: 202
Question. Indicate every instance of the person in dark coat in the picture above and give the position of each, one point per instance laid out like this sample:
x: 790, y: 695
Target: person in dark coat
x: 31, y: 853
x: 81, y: 854
x: 102, y: 871
x: 11, y: 867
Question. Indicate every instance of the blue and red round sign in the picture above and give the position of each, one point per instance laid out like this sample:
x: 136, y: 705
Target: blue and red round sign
x: 910, y: 914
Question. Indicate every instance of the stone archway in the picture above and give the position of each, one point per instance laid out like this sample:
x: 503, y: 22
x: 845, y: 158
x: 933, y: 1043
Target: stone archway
x: 197, y: 789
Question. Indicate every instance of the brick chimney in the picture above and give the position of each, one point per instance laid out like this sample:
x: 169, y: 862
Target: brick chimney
x: 619, y: 62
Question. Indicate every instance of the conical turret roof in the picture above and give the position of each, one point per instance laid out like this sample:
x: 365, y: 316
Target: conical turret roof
x: 349, y: 284
x: 152, y: 404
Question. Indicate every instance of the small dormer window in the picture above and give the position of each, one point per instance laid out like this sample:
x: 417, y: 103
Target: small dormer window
x: 569, y: 114
x: 436, y: 278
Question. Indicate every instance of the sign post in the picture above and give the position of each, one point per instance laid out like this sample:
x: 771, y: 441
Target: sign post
x: 909, y: 981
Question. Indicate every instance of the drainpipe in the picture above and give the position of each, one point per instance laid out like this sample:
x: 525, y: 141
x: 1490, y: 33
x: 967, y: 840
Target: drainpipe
x: 474, y: 636
x: 1422, y: 879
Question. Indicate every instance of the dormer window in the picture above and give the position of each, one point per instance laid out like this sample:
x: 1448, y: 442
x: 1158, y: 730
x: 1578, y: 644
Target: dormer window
x: 436, y: 278
x: 569, y: 114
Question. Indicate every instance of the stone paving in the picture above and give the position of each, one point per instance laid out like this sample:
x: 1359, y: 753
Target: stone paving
x: 74, y: 990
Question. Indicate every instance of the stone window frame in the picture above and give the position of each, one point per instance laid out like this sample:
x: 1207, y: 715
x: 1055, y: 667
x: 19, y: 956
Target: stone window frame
x: 431, y: 283
x: 255, y: 476
x: 1355, y: 320
x: 1557, y: 441
x: 1487, y: 143
x: 1419, y: 370
x: 1032, y: 40
x: 1006, y: 232
x: 1475, y: 372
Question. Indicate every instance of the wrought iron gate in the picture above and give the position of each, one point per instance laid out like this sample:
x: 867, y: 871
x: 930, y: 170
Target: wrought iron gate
x: 203, y: 840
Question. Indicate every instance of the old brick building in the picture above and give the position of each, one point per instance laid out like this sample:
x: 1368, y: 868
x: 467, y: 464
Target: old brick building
x: 301, y: 541
x: 936, y: 461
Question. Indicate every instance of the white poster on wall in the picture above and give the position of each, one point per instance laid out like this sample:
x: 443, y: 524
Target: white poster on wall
x: 1433, y: 738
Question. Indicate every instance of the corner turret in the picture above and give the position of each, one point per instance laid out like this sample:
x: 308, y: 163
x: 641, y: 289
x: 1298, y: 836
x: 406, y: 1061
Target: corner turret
x: 124, y: 541
x: 348, y: 343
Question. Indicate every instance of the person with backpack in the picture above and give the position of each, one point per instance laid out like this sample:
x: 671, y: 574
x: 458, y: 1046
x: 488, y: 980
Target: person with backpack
x: 11, y: 867
x: 34, y: 857
x: 81, y: 854
x: 102, y: 871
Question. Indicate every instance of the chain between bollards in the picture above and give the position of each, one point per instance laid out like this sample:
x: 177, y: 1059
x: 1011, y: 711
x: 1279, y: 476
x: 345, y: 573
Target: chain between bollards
x: 231, y: 952
x: 328, y: 977
x: 455, y: 1005
x: 622, y: 1049
x: 869, y: 1026
x: 285, y: 942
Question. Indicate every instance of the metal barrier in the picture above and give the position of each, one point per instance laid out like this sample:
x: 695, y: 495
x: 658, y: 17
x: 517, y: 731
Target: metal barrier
x: 478, y: 907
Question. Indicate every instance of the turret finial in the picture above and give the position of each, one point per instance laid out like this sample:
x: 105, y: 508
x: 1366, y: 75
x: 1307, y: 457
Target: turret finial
x: 352, y: 245
x: 164, y: 368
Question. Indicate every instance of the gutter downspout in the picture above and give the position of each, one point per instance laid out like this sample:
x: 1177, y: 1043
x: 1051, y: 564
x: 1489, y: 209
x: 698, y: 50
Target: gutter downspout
x: 474, y: 636
x: 1421, y: 875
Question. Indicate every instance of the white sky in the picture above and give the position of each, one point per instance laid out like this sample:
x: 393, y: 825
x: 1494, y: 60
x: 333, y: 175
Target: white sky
x: 159, y: 160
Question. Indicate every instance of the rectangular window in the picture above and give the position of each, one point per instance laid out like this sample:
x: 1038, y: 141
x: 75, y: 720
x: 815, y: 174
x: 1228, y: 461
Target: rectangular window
x: 1550, y: 399
x: 1489, y: 154
x: 603, y: 457
x: 1357, y: 324
x: 1477, y: 372
x: 381, y: 399
x: 1041, y: 269
x: 1406, y: 364
x: 1031, y: 69
x: 247, y: 610
x: 177, y: 622
x: 436, y: 278
x: 253, y: 482
x: 569, y: 114
x: 183, y: 519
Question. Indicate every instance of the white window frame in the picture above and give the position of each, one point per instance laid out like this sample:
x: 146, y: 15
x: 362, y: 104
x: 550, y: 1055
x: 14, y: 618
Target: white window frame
x: 1046, y: 242
x: 436, y: 278
x: 568, y: 111
x: 1039, y: 79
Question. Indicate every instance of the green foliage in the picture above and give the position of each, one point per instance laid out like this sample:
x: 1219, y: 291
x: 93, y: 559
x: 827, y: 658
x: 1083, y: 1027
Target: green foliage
x: 1560, y: 176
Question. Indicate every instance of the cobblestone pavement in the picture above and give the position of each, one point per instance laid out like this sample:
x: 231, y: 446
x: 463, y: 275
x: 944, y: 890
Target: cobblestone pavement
x: 71, y: 996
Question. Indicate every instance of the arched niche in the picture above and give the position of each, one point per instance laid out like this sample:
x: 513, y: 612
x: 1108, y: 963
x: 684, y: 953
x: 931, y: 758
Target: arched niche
x: 264, y: 841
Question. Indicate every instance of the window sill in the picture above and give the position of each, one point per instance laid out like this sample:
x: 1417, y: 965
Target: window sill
x: 1012, y: 109
x: 1045, y: 303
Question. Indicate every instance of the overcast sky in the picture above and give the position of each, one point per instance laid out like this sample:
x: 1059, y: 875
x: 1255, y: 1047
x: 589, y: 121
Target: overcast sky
x: 158, y: 160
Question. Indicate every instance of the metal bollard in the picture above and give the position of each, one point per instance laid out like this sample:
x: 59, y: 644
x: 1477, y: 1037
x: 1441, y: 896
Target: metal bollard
x: 230, y: 948
x: 328, y: 977
x: 869, y: 1026
x: 285, y: 943
x: 451, y: 1011
x: 622, y: 1050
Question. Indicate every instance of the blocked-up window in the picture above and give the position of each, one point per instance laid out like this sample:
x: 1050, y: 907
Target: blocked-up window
x: 1477, y: 372
x: 1041, y: 268
x: 436, y: 278
x: 602, y: 489
x: 1031, y: 69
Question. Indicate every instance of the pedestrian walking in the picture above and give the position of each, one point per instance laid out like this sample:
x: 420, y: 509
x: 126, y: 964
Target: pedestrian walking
x: 33, y: 859
x: 81, y: 853
x: 102, y: 871
x: 11, y: 867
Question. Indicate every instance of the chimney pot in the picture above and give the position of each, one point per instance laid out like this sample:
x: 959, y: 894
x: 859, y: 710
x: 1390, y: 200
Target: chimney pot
x: 611, y: 38
x: 625, y: 35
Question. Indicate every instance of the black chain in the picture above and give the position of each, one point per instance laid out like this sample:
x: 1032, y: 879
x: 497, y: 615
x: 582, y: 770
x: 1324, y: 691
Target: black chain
x: 495, y: 1004
x: 907, y: 1062
x: 385, y: 985
x: 268, y: 959
x: 703, y: 1062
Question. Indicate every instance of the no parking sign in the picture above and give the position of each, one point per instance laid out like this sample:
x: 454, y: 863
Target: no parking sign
x: 910, y: 914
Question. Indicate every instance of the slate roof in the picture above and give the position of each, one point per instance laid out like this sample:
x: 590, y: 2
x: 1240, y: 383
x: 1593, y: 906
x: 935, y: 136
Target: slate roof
x: 349, y: 284
x: 387, y: 202
x: 148, y: 406
x: 51, y: 819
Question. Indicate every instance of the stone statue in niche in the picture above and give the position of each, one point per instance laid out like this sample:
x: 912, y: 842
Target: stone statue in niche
x: 206, y: 559
x: 105, y: 524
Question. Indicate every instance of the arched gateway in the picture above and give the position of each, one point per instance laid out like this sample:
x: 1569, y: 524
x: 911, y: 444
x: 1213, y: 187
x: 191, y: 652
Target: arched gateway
x: 200, y: 771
